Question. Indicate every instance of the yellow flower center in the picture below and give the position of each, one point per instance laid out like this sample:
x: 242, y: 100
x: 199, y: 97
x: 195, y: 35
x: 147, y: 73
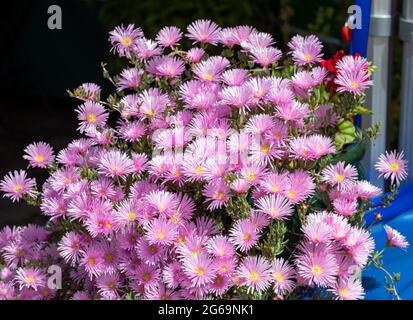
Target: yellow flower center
x: 265, y: 148
x: 160, y: 235
x: 39, y: 158
x: 247, y: 237
x: 30, y: 279
x: 219, y: 195
x: 218, y: 280
x: 108, y: 257
x: 18, y: 188
x: 275, y: 188
x: 131, y: 216
x: 126, y: 41
x: 343, y: 292
x: 250, y: 176
x: 308, y: 57
x: 253, y: 276
x: 199, y: 170
x: 316, y: 269
x: 339, y: 177
x: 278, y: 276
x: 91, y: 118
x: 291, y: 194
x: 112, y: 285
x: 146, y: 276
x: 207, y: 76
x: 274, y: 212
x: 152, y: 249
x: 394, y: 167
x: 108, y: 225
x: 161, y: 207
x: 181, y: 240
x: 354, y: 85
x: 200, y: 271
x: 92, y: 261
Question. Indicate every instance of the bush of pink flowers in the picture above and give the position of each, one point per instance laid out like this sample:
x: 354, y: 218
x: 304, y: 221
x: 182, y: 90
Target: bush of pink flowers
x: 220, y: 168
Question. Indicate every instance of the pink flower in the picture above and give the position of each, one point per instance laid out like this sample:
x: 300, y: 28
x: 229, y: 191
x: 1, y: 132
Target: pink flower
x: 146, y: 49
x: 130, y: 79
x: 255, y: 273
x: 305, y: 50
x: 299, y: 186
x: 348, y: 290
x: 166, y: 66
x: 30, y: 278
x: 199, y: 269
x: 316, y: 265
x: 235, y: 77
x: 91, y: 115
x: 108, y: 286
x: 353, y: 75
x: 161, y: 232
x: 115, y: 164
x: 217, y: 193
x: 265, y: 56
x: 169, y: 36
x: 203, y: 31
x: 391, y: 165
x: 39, y: 154
x: 276, y: 207
x: 153, y: 102
x: 340, y: 175
x: 395, y: 238
x: 123, y: 39
x: 283, y: 275
x: 195, y: 55
x: 312, y: 147
x: 211, y: 69
x: 16, y: 184
x: 244, y: 235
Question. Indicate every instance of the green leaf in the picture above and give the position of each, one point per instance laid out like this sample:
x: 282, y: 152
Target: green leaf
x: 346, y: 133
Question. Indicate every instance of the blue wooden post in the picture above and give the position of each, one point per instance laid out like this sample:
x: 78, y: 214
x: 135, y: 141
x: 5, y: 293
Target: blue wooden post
x: 360, y: 37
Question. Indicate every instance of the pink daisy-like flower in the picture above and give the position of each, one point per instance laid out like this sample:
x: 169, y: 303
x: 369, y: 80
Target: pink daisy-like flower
x: 235, y: 77
x: 169, y: 36
x: 274, y: 183
x: 353, y: 75
x: 70, y: 247
x: 30, y: 278
x: 340, y: 175
x: 91, y: 115
x: 89, y: 91
x: 123, y: 39
x: 91, y: 260
x: 255, y: 273
x: 276, y: 207
x: 283, y: 274
x: 294, y: 112
x: 153, y: 102
x: 244, y: 235
x: 146, y: 49
x: 348, y: 290
x: 108, y: 286
x: 317, y: 231
x: 265, y: 56
x: 359, y: 245
x: 211, y: 69
x: 114, y: 163
x: 312, y: 147
x: 305, y: 50
x: 147, y: 275
x: 131, y: 131
x: 237, y: 97
x: 161, y: 231
x: 252, y: 173
x: 220, y: 247
x: 300, y: 185
x: 316, y: 265
x: 367, y: 191
x: 199, y: 269
x: 195, y: 55
x: 166, y: 66
x: 16, y: 184
x: 217, y: 193
x: 345, y: 207
x: 162, y: 202
x: 203, y: 31
x: 130, y: 79
x: 39, y: 154
x: 391, y: 165
x: 395, y: 238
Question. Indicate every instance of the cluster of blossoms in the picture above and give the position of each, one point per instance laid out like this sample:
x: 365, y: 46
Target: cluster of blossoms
x: 211, y: 173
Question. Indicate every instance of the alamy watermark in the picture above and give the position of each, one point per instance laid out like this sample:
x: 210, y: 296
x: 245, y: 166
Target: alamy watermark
x: 55, y: 20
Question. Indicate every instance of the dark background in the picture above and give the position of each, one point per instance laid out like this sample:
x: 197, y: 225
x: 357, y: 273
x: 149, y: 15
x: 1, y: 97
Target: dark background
x: 37, y: 65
